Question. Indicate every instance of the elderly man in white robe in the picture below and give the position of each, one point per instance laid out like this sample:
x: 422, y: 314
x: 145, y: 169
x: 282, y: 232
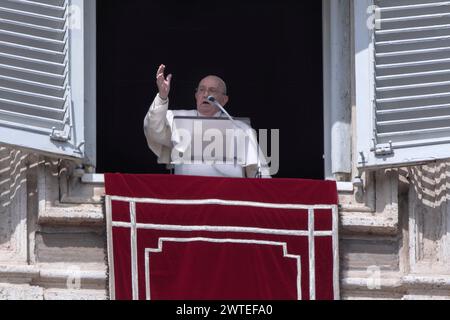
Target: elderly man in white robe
x: 163, y: 139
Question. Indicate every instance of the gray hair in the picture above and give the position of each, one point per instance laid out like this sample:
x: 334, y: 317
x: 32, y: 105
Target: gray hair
x: 221, y: 83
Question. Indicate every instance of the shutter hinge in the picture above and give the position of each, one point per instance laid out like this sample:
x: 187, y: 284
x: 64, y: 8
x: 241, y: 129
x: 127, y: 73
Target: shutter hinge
x: 382, y: 149
x: 61, y: 136
x: 64, y: 135
x: 362, y: 159
x: 78, y: 148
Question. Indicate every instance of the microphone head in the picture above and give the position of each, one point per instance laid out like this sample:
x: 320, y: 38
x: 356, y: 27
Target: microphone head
x: 211, y: 99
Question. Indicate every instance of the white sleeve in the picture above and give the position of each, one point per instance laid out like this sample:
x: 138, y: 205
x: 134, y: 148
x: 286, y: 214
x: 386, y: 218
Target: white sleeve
x: 158, y: 130
x: 255, y: 158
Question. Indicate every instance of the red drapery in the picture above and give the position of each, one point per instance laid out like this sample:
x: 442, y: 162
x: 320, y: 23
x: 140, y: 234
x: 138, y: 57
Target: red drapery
x: 202, y: 238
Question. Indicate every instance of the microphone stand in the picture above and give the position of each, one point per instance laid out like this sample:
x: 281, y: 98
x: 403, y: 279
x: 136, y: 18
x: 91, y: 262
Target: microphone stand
x: 213, y: 100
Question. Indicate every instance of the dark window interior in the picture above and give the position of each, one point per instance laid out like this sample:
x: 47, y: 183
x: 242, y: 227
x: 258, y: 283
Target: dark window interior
x: 268, y: 52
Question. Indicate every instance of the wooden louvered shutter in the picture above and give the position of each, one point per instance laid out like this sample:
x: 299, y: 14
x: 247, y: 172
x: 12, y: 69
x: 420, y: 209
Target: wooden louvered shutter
x: 37, y: 107
x: 404, y: 104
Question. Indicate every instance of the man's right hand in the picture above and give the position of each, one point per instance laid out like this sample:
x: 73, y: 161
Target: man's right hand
x: 163, y: 83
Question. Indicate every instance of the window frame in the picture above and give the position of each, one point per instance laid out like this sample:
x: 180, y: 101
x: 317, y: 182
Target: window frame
x: 336, y: 21
x: 90, y: 81
x: 90, y: 42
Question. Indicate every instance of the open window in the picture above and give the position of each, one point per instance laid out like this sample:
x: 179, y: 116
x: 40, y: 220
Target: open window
x: 402, y: 81
x: 268, y: 52
x: 44, y: 77
x: 48, y: 88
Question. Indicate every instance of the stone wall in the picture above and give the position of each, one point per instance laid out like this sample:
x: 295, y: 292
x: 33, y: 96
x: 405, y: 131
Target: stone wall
x: 52, y: 236
x: 394, y: 232
x: 396, y: 246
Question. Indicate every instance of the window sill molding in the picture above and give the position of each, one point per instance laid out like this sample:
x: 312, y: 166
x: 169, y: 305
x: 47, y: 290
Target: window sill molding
x: 93, y: 178
x: 100, y: 179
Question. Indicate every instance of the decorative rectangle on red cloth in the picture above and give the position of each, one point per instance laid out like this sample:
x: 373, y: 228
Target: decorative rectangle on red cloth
x: 208, y: 238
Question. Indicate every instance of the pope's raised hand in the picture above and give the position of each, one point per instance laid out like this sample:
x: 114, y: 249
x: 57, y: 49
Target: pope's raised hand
x: 163, y: 83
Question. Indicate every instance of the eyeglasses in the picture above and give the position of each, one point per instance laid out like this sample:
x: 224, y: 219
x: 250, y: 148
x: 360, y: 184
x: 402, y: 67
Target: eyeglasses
x: 209, y: 91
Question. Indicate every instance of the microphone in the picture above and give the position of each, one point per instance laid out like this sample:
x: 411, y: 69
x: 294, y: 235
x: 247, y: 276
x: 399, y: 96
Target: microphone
x: 214, y: 101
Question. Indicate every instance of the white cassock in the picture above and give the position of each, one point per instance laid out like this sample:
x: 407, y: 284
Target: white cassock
x: 162, y: 138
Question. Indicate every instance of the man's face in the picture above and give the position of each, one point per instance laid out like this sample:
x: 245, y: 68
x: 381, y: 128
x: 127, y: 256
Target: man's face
x: 210, y: 86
